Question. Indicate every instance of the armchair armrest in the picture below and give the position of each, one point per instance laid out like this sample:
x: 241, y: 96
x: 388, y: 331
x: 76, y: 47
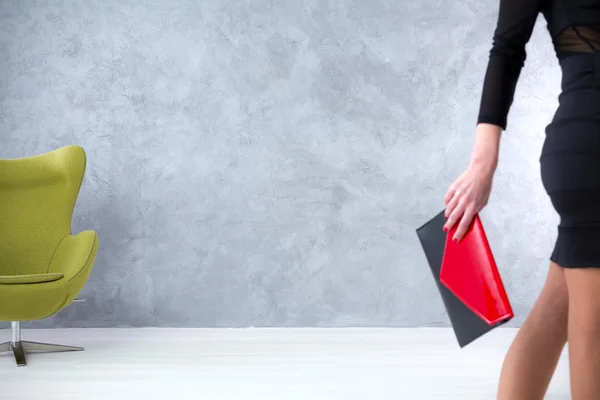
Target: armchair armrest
x: 29, y: 279
x: 74, y: 254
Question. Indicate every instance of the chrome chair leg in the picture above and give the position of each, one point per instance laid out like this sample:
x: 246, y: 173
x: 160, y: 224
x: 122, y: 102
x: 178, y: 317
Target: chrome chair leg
x: 15, y: 328
x: 21, y: 348
x: 31, y: 347
x: 19, y: 353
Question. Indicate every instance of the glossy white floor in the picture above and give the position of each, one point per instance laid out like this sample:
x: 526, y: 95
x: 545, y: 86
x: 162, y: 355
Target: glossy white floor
x: 349, y: 364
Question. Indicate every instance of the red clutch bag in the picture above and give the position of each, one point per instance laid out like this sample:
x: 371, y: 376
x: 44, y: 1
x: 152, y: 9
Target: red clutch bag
x: 467, y: 278
x: 470, y: 272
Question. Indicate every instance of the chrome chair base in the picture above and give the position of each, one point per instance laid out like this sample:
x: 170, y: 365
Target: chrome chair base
x: 21, y: 348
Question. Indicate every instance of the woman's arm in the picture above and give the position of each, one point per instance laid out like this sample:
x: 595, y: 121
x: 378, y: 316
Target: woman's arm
x: 516, y: 19
x: 469, y: 194
x: 486, y: 147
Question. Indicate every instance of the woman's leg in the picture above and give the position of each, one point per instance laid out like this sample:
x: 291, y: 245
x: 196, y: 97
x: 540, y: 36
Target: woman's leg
x: 534, y: 354
x: 584, y: 332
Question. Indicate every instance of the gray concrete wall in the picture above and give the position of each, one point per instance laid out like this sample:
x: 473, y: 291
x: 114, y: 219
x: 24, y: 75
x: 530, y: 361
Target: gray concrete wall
x: 265, y: 163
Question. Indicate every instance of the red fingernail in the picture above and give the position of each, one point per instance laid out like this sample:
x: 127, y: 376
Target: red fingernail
x: 445, y: 229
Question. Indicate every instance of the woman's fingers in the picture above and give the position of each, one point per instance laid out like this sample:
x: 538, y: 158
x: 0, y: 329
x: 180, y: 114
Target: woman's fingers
x: 465, y: 221
x: 465, y: 198
x: 451, y: 193
x: 451, y: 205
x: 454, y: 216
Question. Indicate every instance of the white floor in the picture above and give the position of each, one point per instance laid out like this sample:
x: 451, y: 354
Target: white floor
x: 282, y: 364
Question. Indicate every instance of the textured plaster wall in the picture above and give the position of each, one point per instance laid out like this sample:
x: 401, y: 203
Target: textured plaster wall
x: 265, y: 163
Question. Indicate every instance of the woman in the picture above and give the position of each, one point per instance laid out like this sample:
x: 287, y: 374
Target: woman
x: 569, y: 304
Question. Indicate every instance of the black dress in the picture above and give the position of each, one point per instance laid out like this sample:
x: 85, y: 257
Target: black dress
x: 570, y: 159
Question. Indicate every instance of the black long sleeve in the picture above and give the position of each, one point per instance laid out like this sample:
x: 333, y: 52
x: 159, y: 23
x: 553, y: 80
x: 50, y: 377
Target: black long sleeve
x: 516, y: 19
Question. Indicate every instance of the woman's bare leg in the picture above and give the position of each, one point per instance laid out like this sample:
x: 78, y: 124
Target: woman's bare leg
x: 584, y: 332
x: 534, y: 354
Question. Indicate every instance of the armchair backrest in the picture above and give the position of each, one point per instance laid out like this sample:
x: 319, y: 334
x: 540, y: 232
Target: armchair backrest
x: 37, y: 199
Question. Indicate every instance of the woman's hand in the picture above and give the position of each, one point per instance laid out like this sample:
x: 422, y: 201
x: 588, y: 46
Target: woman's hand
x: 470, y: 193
x: 467, y: 196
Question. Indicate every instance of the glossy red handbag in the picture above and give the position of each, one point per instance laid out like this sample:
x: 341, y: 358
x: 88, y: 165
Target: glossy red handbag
x: 470, y: 272
x: 467, y: 278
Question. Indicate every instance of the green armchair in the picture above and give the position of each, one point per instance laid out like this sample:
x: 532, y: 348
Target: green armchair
x: 43, y: 267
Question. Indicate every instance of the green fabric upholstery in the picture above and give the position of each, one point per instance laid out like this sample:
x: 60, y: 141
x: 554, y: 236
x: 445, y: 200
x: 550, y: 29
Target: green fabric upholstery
x: 42, y: 265
x: 25, y: 279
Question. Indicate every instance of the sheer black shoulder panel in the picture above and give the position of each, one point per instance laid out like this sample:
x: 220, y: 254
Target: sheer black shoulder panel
x: 516, y: 20
x: 577, y: 39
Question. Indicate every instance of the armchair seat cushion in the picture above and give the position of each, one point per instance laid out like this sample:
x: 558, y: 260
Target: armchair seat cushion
x: 29, y: 279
